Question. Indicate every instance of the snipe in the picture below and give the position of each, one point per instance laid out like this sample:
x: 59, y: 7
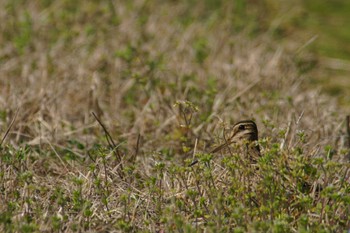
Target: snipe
x: 244, y: 133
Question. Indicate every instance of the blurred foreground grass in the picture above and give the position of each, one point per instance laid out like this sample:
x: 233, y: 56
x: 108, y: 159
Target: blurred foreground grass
x: 165, y: 78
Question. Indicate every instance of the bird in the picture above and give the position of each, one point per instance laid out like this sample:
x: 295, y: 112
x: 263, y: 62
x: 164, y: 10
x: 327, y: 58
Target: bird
x: 243, y: 133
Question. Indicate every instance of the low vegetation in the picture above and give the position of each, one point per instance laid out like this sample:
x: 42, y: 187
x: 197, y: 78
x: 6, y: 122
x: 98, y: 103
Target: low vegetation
x: 111, y: 101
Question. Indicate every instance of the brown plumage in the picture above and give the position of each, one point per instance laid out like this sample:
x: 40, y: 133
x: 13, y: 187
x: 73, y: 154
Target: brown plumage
x: 243, y: 133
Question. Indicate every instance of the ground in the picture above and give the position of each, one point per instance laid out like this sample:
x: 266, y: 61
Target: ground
x: 104, y: 104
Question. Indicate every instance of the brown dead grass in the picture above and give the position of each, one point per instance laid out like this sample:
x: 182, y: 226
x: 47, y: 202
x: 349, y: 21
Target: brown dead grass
x: 130, y: 64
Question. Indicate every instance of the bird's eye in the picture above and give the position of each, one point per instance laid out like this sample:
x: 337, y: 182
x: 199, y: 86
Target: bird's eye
x: 241, y: 127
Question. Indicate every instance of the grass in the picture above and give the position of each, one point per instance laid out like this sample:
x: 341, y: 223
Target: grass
x: 320, y: 26
x: 166, y: 79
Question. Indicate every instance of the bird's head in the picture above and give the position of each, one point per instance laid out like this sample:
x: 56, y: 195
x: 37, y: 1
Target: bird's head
x: 244, y: 131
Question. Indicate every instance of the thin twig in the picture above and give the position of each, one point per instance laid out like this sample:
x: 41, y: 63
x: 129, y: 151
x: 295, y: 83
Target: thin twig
x: 106, y: 182
x: 111, y: 144
x: 90, y: 156
x: 348, y: 129
x: 137, y: 147
x: 195, y: 148
x: 299, y: 118
x: 9, y: 128
x: 347, y: 121
x: 57, y: 155
x: 284, y: 140
x: 216, y: 149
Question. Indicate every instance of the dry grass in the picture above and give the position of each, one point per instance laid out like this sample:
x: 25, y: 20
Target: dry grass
x: 164, y: 78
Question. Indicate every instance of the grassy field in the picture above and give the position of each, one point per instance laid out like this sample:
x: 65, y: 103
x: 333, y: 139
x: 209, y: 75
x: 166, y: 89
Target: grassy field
x: 166, y: 80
